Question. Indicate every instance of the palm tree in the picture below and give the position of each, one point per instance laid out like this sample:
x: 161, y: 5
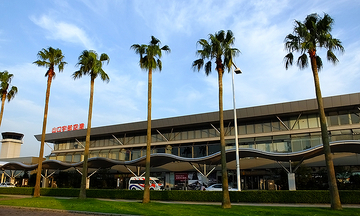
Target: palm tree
x: 91, y: 65
x: 5, y: 79
x: 49, y: 58
x: 218, y: 48
x: 149, y: 59
x: 308, y: 36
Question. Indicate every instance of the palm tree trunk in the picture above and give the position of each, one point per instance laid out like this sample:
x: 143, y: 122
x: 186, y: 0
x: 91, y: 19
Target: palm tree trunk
x: 225, y: 185
x: 41, y: 154
x: 333, y: 189
x: 2, y: 106
x: 146, y: 198
x: 82, y: 194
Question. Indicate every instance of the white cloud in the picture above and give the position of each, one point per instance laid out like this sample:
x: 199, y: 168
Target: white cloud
x: 63, y: 31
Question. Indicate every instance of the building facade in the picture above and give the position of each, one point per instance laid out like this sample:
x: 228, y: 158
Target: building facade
x: 277, y: 128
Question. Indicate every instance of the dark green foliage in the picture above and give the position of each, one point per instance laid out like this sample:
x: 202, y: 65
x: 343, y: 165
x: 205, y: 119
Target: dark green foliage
x: 260, y: 196
x: 17, y: 190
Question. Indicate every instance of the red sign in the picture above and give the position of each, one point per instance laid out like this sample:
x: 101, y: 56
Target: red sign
x: 68, y: 128
x: 181, y: 176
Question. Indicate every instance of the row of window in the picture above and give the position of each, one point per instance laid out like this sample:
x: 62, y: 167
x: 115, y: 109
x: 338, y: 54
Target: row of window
x: 276, y: 124
x: 283, y: 143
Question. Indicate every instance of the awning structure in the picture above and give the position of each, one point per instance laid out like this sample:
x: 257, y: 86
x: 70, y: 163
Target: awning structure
x: 159, y: 159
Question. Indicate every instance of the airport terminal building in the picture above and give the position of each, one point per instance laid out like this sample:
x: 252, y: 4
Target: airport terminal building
x: 271, y: 130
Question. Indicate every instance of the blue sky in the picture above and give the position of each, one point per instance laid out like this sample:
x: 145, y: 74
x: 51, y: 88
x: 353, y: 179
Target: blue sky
x: 111, y: 27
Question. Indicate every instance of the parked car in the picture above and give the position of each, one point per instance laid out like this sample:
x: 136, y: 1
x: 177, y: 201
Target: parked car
x: 7, y: 184
x: 218, y: 187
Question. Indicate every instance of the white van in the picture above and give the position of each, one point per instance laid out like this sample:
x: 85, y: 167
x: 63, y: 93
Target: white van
x: 138, y: 183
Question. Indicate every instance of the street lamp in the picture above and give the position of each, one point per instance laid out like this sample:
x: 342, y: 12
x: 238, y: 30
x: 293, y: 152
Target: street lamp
x: 237, y: 71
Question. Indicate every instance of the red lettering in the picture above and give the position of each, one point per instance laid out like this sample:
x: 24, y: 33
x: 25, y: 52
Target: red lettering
x: 54, y: 130
x: 82, y: 126
x: 69, y: 127
x: 63, y: 128
x: 58, y: 129
x: 75, y: 127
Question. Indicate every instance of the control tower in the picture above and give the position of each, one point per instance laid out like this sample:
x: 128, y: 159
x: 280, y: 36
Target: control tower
x: 11, y: 144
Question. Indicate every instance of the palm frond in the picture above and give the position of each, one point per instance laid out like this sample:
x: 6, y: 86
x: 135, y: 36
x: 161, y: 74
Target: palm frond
x: 208, y: 68
x: 288, y: 60
x: 302, y: 61
x: 198, y: 64
x: 319, y: 63
x: 104, y: 57
x: 11, y: 94
x: 159, y: 64
x: 77, y: 75
x: 331, y: 57
x: 154, y: 41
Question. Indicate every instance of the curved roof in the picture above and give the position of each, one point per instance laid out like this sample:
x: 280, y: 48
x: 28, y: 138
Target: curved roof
x: 159, y: 159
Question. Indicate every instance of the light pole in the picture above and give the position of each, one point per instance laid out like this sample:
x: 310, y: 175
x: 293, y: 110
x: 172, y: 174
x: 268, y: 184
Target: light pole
x: 237, y: 71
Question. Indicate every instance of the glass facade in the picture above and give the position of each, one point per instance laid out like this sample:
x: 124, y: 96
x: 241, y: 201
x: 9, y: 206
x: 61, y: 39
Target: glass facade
x: 259, y: 135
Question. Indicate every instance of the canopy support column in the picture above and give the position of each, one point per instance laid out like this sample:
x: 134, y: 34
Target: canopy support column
x: 88, y: 177
x: 291, y: 173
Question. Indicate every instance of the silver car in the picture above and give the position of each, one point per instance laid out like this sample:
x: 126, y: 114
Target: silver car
x: 7, y: 184
x: 218, y: 187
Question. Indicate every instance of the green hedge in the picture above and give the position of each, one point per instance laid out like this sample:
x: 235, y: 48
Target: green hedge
x: 299, y: 196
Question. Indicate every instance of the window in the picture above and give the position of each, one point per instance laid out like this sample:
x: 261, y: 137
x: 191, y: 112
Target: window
x: 355, y: 119
x: 242, y: 129
x: 213, y: 133
x: 68, y: 157
x: 175, y: 150
x: 52, y: 157
x: 213, y: 148
x: 264, y: 144
x: 104, y: 153
x: 135, y: 154
x: 77, y: 158
x: 267, y: 127
x: 159, y: 150
x: 313, y: 121
x: 124, y: 155
x: 197, y: 134
x: 258, y: 128
x: 344, y: 118
x: 250, y: 129
x: 315, y: 139
x: 303, y: 122
x: 300, y: 142
x: 246, y: 143
x: 94, y: 154
x: 186, y: 151
x: 199, y: 151
x: 191, y: 134
x: 60, y: 157
x: 333, y: 119
x: 275, y: 124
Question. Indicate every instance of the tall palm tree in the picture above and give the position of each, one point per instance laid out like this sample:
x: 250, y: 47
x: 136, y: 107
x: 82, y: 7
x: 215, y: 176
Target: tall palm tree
x: 90, y: 64
x: 5, y: 79
x: 149, y: 60
x: 314, y: 33
x: 218, y: 48
x: 49, y: 58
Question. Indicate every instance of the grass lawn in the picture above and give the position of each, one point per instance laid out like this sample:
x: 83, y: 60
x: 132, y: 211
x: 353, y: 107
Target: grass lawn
x: 135, y: 208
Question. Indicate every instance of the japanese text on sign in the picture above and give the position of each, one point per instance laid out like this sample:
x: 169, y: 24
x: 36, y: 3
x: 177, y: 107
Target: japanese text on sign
x: 68, y: 128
